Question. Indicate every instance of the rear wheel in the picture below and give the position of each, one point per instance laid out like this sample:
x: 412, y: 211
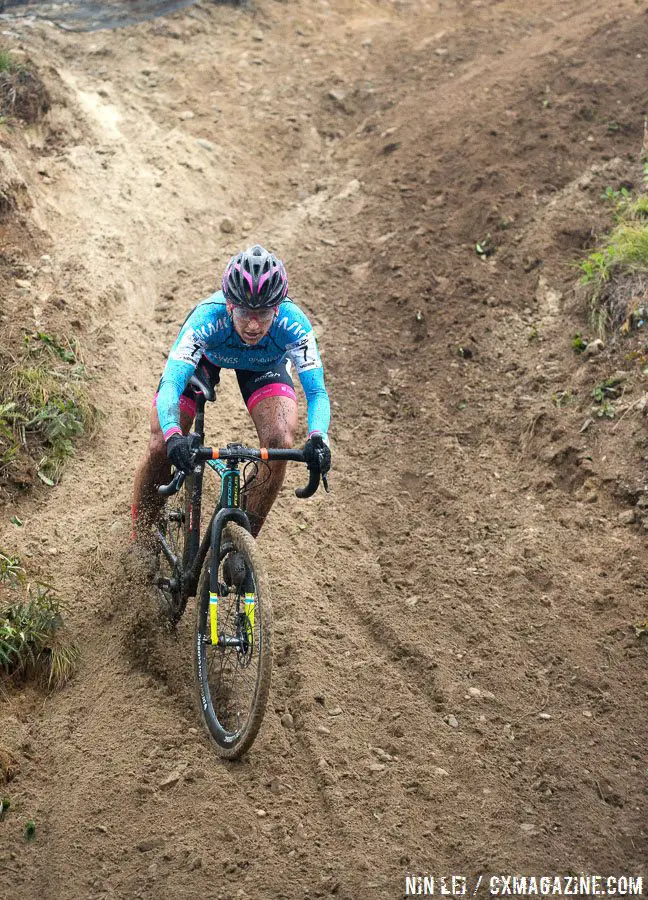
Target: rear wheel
x: 172, y: 535
x: 233, y: 646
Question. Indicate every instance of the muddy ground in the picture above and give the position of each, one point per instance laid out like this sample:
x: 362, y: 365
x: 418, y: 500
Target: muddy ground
x: 453, y: 633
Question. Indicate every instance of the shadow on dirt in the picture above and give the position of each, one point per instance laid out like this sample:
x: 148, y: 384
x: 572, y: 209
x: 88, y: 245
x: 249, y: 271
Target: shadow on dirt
x: 80, y: 15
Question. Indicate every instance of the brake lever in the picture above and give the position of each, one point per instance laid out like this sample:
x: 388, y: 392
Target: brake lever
x: 325, y: 483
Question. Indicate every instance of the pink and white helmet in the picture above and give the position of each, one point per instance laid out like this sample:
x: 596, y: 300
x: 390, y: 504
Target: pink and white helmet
x: 255, y: 279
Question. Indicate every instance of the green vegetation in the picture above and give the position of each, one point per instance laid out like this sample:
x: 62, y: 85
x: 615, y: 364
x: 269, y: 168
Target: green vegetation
x: 485, y: 247
x: 623, y: 254
x: 603, y: 395
x: 32, y: 635
x: 609, y: 389
x: 578, y: 343
x: 43, y: 407
x: 7, y: 63
x: 23, y: 96
x: 562, y: 398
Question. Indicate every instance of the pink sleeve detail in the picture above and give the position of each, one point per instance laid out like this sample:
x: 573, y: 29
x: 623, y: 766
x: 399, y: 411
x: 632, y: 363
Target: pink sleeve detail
x: 174, y: 430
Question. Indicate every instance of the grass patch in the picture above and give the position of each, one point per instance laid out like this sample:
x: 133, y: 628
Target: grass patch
x: 616, y: 274
x: 6, y: 62
x: 22, y: 92
x: 43, y: 407
x: 32, y: 635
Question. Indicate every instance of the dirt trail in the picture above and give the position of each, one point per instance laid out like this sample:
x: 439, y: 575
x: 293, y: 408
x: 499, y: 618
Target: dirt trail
x: 459, y: 596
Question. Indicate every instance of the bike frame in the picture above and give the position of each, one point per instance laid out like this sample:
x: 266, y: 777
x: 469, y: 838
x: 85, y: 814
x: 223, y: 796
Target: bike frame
x: 227, y: 510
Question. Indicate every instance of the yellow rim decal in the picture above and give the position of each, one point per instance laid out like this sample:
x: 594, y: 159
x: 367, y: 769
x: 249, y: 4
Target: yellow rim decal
x: 250, y: 600
x: 213, y: 617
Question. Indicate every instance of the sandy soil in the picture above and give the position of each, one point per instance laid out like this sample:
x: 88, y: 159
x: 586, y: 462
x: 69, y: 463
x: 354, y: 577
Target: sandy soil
x: 453, y: 622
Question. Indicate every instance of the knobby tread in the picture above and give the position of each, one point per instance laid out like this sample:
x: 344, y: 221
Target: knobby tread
x: 239, y: 539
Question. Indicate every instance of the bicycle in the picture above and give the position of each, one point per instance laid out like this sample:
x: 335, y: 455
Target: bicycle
x: 233, y: 632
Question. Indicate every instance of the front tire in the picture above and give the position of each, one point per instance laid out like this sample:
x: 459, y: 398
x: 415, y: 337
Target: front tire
x: 233, y: 676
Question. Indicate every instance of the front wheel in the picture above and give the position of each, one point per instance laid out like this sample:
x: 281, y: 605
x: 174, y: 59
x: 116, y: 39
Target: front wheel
x: 233, y: 645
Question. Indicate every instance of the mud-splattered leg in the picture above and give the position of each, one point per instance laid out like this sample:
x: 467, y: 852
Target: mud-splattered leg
x: 275, y: 419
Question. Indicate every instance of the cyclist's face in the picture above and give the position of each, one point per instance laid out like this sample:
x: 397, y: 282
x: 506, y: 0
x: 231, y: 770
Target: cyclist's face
x: 251, y: 324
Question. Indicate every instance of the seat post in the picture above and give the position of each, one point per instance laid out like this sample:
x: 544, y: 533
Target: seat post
x: 199, y: 423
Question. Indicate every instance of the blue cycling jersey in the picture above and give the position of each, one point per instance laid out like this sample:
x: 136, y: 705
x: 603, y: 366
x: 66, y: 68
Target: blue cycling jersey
x: 209, y: 331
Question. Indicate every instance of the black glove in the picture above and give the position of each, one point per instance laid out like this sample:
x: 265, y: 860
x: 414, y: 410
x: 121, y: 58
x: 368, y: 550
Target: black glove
x: 180, y: 449
x: 317, y: 454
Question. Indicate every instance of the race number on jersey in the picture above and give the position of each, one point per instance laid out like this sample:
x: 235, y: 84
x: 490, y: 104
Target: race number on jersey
x: 189, y: 348
x: 303, y: 353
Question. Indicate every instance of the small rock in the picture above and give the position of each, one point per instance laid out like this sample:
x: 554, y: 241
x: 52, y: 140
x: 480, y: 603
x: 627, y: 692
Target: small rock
x: 514, y: 571
x: 261, y: 813
x: 186, y: 114
x: 528, y: 828
x: 258, y: 36
x: 439, y: 771
x: 545, y: 716
x: 150, y: 844
x: 22, y: 283
x: 338, y: 96
x: 376, y: 767
x: 383, y: 755
x: 196, y: 863
x: 227, y: 225
x: 593, y: 348
x: 335, y: 711
x: 627, y: 517
x: 288, y: 722
x: 322, y: 729
x: 101, y: 828
x: 474, y: 692
x: 452, y: 721
x: 441, y: 51
x: 587, y: 714
x: 205, y: 144
x: 170, y: 781
x: 325, y: 771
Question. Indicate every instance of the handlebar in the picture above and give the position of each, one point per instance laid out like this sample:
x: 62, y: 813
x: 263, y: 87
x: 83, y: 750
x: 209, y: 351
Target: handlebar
x: 241, y: 454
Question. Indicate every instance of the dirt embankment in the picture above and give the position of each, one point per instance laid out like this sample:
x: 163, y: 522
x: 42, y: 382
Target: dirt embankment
x: 453, y: 635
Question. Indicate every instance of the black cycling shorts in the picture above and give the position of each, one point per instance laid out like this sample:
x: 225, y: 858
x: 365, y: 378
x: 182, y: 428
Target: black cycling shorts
x: 254, y: 386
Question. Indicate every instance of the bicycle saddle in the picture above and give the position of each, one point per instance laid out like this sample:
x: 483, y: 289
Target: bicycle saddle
x: 203, y: 386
